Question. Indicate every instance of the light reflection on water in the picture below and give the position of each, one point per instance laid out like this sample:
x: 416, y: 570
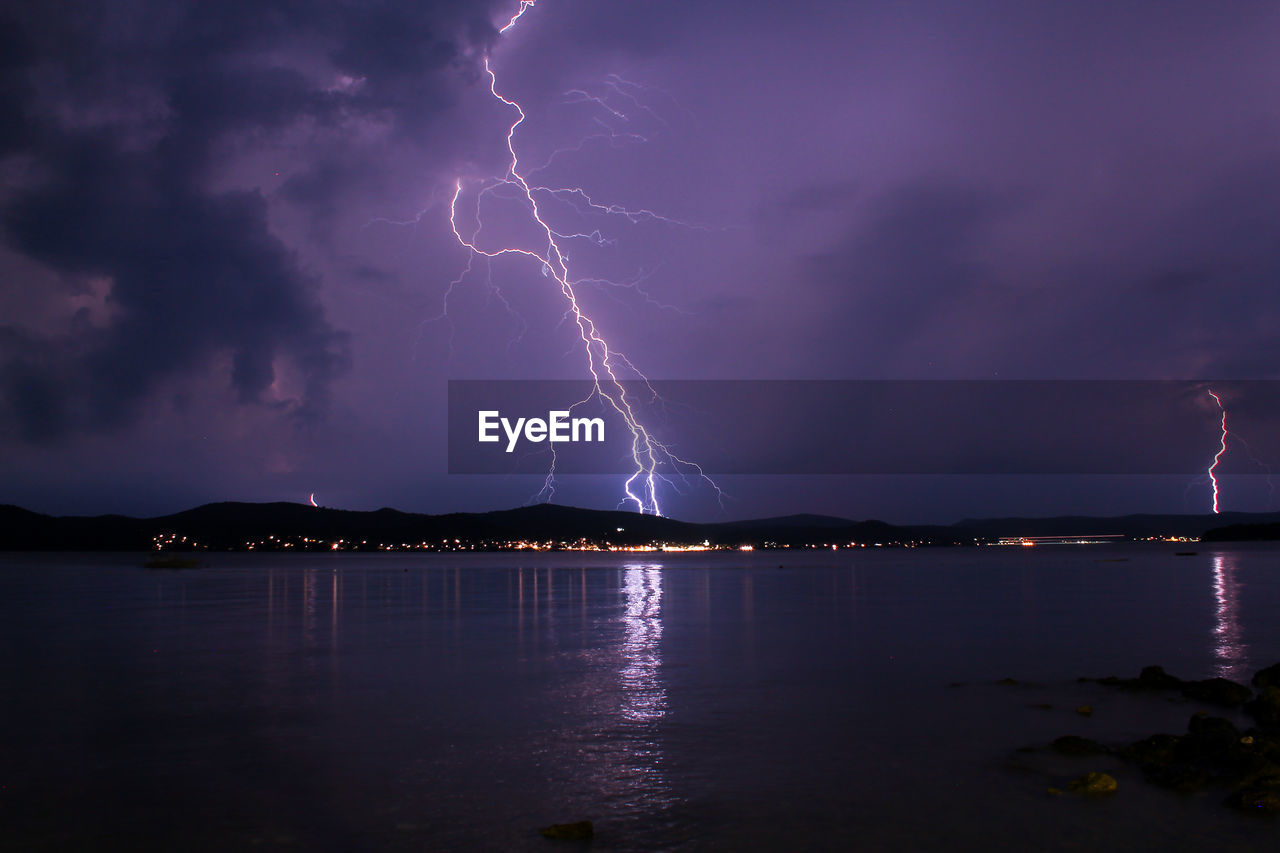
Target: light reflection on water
x: 645, y: 698
x: 1229, y: 648
x: 623, y: 701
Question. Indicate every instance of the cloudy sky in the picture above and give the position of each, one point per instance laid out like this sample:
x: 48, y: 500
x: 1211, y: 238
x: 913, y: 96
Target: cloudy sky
x: 227, y: 269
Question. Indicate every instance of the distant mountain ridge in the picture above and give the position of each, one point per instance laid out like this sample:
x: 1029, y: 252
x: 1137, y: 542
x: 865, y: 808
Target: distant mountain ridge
x: 1140, y: 525
x: 233, y: 525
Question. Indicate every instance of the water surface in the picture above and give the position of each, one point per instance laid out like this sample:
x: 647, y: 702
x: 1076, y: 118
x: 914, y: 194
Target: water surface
x: 709, y: 702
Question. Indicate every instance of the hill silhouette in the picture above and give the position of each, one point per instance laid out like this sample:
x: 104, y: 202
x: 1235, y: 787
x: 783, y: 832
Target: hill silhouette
x: 221, y: 526
x: 232, y: 525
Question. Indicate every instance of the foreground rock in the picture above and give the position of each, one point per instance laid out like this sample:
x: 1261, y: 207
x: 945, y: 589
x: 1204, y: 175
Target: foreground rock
x: 1258, y: 801
x: 1269, y: 677
x: 1213, y: 753
x: 1094, y: 784
x: 1266, y: 707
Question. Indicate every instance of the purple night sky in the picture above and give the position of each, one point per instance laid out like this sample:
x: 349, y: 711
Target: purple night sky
x: 225, y: 239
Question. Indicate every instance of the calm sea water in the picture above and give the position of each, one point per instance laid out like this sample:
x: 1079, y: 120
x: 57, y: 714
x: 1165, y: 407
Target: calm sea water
x: 716, y: 702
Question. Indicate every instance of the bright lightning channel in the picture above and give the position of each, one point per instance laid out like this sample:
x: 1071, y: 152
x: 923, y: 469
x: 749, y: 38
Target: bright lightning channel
x: 1217, y: 457
x: 607, y: 366
x: 525, y: 5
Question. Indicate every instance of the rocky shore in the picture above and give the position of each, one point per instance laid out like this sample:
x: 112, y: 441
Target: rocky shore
x: 1213, y: 753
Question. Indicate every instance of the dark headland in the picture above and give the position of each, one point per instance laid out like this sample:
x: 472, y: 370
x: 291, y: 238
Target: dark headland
x: 291, y: 526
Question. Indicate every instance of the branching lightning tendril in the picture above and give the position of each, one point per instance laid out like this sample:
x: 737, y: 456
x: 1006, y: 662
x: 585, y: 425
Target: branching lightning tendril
x: 608, y: 367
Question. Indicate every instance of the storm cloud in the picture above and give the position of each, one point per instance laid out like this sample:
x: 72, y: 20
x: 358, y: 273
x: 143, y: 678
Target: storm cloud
x: 124, y: 116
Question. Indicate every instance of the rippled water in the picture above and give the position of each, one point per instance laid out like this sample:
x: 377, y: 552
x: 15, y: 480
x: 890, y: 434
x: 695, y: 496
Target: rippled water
x: 718, y: 702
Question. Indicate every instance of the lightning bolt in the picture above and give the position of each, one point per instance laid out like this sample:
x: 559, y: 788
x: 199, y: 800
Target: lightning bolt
x: 525, y: 5
x: 313, y: 499
x: 607, y: 366
x: 1222, y: 448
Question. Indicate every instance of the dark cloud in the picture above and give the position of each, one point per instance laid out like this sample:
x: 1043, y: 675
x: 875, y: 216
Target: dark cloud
x: 396, y: 43
x: 123, y: 114
x: 193, y: 275
x: 15, y: 92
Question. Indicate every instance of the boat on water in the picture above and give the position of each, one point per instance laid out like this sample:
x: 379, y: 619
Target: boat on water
x: 161, y: 560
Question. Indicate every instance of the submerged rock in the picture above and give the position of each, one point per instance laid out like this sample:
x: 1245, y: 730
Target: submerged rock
x: 1151, y: 678
x: 1218, y: 691
x: 1073, y: 745
x: 1155, y: 678
x: 579, y: 831
x: 1094, y: 784
x: 1156, y: 749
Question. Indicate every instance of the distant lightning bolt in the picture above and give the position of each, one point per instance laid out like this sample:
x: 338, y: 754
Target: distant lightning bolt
x: 1226, y: 434
x: 608, y: 367
x: 1217, y: 457
x: 313, y: 499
